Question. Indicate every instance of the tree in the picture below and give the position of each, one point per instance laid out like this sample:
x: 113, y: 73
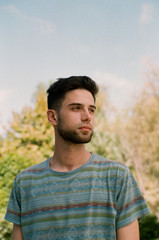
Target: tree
x: 105, y: 142
x: 29, y: 140
x: 138, y: 129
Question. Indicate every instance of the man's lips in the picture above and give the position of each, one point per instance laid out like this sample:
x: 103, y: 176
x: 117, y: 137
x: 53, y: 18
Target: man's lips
x: 85, y: 128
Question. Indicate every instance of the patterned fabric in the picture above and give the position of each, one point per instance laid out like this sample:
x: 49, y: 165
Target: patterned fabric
x: 90, y: 202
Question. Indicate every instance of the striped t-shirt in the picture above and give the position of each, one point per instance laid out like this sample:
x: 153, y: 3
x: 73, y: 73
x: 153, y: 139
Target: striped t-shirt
x: 91, y: 202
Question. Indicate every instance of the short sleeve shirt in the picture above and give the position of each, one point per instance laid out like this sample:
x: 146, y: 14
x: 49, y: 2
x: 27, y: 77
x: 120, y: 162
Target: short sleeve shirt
x: 90, y: 202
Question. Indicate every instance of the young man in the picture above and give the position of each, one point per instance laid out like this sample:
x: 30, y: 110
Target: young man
x: 75, y: 194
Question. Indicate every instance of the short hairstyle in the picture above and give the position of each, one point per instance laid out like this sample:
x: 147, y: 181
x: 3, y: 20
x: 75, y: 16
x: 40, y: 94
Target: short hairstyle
x: 57, y: 91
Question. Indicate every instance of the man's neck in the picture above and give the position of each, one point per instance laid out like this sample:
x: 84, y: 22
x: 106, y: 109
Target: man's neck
x: 68, y: 157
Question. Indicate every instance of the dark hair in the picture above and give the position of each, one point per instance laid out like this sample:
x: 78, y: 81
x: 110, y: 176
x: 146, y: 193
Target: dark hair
x: 57, y: 90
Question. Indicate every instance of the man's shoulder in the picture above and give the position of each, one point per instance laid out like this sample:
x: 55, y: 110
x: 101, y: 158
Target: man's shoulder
x: 108, y: 163
x: 103, y: 160
x: 34, y: 170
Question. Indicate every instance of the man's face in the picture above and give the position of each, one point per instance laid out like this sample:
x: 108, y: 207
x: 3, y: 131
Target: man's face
x: 76, y: 116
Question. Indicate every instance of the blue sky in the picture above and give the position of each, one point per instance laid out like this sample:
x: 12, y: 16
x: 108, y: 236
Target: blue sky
x: 110, y: 41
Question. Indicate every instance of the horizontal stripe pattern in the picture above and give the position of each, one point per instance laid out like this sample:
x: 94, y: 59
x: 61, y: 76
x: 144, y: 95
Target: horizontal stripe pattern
x: 90, y: 202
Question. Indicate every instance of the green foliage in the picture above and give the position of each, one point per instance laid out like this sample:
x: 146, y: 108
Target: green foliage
x: 10, y: 166
x: 5, y: 230
x: 139, y: 133
x: 28, y: 142
x: 105, y: 141
x: 108, y: 145
x: 149, y: 228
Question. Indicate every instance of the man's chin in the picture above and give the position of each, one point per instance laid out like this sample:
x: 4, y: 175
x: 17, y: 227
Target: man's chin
x: 83, y: 139
x: 75, y: 137
x: 79, y: 140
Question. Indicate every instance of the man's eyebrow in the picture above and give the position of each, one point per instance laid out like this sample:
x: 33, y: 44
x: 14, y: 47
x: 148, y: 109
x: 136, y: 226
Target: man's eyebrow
x: 79, y: 104
x: 93, y: 106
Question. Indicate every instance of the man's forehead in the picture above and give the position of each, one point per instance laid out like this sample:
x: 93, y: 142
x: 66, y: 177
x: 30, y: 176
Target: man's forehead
x: 80, y: 96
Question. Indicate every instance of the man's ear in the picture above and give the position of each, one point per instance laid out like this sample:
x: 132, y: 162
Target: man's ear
x: 52, y: 116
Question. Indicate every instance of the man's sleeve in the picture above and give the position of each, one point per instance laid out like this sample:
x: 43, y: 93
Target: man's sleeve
x: 13, y: 212
x: 130, y: 203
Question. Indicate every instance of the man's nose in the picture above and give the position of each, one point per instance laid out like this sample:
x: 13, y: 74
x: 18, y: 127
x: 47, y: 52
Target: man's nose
x: 86, y: 116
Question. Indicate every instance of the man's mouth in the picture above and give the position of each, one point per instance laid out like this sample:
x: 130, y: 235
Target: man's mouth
x: 85, y: 128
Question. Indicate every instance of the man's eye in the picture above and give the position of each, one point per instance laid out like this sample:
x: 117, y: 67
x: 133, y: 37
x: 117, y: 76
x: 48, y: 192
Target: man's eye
x: 92, y: 110
x: 76, y: 108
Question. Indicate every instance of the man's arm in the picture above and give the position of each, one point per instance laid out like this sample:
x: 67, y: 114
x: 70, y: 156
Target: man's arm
x: 17, y: 232
x: 129, y: 232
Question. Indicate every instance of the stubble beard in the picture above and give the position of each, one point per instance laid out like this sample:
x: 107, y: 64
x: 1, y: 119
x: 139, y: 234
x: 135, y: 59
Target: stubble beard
x: 73, y: 136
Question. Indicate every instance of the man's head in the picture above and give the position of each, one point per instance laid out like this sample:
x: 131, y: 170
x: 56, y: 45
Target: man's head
x: 71, y: 107
x: 58, y: 90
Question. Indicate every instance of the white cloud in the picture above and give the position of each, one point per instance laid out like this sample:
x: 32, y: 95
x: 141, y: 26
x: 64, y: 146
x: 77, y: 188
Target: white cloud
x: 120, y: 90
x: 82, y: 49
x: 10, y: 8
x: 44, y: 25
x: 111, y: 80
x: 4, y: 95
x: 146, y: 13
